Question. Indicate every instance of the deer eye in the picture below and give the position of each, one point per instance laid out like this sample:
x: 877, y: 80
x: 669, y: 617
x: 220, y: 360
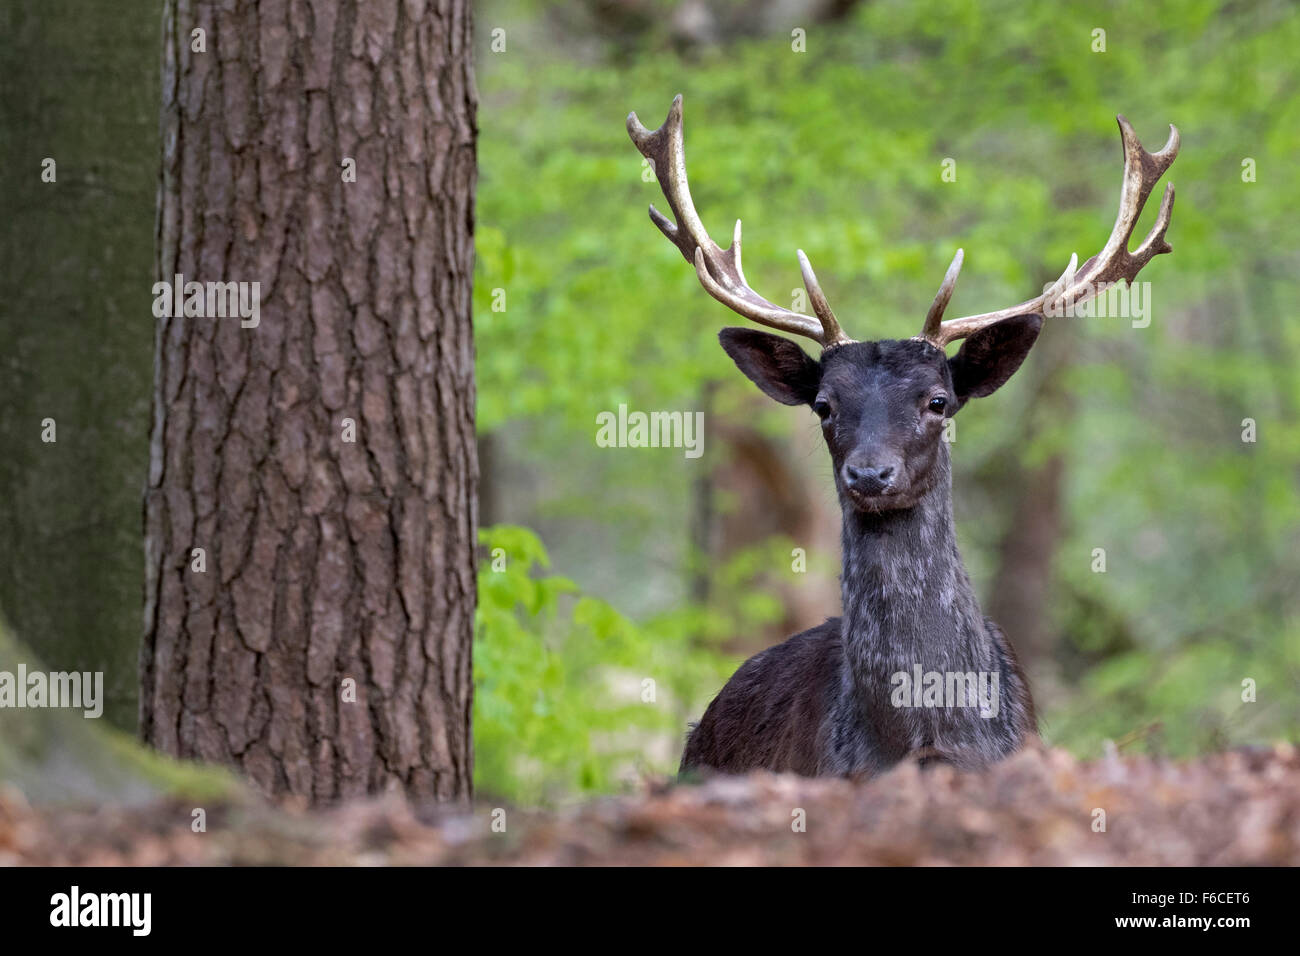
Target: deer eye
x: 822, y: 408
x: 938, y: 404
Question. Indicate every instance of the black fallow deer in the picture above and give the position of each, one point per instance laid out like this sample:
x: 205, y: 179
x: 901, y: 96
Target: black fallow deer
x: 912, y: 668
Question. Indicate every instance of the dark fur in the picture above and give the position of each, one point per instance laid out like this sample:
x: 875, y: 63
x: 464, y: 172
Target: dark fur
x: 819, y: 703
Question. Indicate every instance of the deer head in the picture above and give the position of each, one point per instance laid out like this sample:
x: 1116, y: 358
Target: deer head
x: 882, y: 404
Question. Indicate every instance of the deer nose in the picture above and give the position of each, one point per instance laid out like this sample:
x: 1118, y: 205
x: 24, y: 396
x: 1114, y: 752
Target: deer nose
x: 868, y: 480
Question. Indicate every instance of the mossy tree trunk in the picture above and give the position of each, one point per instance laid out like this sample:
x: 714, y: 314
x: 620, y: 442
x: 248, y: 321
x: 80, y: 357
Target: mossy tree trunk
x: 79, y: 87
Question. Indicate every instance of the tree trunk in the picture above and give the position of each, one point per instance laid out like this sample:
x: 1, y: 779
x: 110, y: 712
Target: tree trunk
x: 80, y: 86
x: 1020, y: 597
x: 327, y: 560
x: 779, y: 485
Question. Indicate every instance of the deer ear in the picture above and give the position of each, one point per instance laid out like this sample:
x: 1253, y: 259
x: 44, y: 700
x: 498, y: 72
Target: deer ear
x: 991, y: 356
x: 776, y: 365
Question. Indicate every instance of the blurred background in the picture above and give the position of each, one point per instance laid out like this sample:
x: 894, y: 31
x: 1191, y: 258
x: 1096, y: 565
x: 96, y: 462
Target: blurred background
x: 640, y: 578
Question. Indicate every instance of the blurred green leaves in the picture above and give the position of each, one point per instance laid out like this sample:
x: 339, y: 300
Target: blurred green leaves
x: 561, y: 700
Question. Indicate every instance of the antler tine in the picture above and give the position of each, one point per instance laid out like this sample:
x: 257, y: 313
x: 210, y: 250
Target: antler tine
x: 719, y: 270
x: 832, y: 334
x: 1142, y: 170
x: 934, y: 318
x: 664, y: 148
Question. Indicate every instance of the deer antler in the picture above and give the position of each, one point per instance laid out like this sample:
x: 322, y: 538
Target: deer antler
x: 719, y: 270
x: 1142, y: 170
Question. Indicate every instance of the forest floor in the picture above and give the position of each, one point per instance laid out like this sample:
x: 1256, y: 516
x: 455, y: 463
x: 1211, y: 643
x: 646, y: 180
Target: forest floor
x: 1039, y: 807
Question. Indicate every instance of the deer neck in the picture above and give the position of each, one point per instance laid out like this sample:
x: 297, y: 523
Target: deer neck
x: 906, y: 595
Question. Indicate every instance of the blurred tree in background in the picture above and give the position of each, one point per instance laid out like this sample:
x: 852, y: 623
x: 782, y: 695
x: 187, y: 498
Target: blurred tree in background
x: 669, y: 569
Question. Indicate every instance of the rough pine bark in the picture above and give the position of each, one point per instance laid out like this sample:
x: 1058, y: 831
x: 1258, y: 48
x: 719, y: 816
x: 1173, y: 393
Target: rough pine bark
x: 325, y: 560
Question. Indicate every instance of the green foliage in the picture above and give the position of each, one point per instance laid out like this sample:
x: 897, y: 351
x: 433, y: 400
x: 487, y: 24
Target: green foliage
x: 561, y: 703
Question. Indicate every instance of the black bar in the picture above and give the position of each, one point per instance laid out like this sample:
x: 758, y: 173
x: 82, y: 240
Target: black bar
x: 455, y: 908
